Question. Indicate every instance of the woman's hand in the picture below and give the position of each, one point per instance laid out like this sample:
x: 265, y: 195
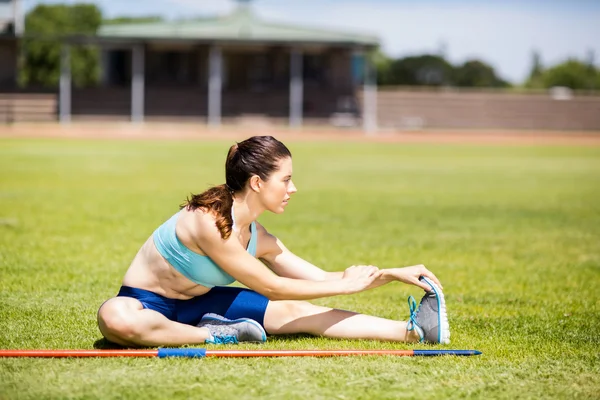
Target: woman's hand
x: 412, y: 274
x: 359, y: 277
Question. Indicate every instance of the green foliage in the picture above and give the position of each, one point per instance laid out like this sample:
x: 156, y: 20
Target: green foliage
x: 573, y: 74
x: 535, y: 79
x: 132, y: 20
x: 536, y: 66
x: 475, y: 73
x: 382, y: 65
x: 41, y: 63
x: 435, y: 70
x: 513, y: 232
x: 427, y: 70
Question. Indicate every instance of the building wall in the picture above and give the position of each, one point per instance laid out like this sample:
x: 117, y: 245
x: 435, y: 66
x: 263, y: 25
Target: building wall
x: 8, y: 65
x: 257, y: 69
x: 26, y: 107
x: 406, y: 109
x: 340, y: 69
x: 397, y: 109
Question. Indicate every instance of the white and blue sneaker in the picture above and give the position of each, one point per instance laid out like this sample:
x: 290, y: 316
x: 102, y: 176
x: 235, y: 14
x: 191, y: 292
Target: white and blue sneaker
x: 227, y: 331
x: 430, y: 319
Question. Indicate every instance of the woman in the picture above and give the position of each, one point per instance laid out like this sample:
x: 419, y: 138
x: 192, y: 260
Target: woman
x: 174, y: 292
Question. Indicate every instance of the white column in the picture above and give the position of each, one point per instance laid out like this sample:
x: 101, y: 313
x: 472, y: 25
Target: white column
x: 370, y: 97
x: 215, y: 81
x: 19, y: 19
x: 64, y: 105
x: 296, y: 88
x: 137, y: 83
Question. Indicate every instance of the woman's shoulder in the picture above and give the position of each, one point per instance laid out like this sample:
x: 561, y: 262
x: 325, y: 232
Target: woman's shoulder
x: 261, y: 231
x: 198, y: 223
x: 266, y: 241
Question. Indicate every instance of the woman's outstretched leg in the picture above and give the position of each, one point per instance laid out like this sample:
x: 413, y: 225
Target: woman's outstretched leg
x: 285, y: 317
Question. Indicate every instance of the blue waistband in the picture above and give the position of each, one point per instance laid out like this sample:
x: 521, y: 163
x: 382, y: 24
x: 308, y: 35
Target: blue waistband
x: 230, y: 302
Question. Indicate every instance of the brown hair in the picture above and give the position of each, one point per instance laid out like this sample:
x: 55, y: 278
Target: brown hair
x: 257, y: 155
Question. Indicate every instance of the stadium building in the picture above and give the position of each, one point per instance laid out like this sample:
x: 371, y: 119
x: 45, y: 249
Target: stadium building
x: 232, y: 68
x: 11, y: 27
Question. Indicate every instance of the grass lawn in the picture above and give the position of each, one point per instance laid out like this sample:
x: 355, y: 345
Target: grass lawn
x: 513, y: 233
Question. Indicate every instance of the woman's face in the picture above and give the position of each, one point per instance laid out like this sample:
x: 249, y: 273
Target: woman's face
x: 276, y: 191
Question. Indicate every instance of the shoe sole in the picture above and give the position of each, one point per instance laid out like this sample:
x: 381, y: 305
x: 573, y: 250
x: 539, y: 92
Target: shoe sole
x: 443, y: 324
x: 251, y: 321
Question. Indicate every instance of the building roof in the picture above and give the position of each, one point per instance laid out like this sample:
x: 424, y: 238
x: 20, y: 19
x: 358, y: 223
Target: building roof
x: 240, y: 26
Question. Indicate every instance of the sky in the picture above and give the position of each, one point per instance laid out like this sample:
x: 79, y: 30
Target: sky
x: 501, y: 33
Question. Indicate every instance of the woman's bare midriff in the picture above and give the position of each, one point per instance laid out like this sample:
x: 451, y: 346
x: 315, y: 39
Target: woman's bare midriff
x: 150, y: 271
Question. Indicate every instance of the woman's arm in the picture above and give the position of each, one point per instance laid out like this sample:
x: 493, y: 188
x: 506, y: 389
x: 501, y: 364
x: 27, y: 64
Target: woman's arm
x: 235, y: 260
x: 409, y: 275
x: 286, y: 264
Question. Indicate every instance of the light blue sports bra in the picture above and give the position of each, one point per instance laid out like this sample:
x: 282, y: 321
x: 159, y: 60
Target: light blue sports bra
x: 196, y: 267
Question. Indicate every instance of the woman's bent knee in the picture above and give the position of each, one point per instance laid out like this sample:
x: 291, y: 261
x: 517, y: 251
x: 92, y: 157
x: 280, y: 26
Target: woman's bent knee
x: 116, y: 319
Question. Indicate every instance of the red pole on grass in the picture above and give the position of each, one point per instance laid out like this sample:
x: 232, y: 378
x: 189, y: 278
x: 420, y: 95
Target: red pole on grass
x: 199, y: 353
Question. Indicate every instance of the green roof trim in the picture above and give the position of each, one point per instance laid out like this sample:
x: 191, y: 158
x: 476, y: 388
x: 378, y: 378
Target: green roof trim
x: 241, y: 25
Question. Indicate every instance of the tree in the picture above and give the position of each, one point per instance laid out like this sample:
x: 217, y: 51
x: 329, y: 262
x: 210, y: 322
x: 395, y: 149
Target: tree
x: 41, y: 63
x: 382, y: 66
x: 476, y: 73
x: 535, y: 79
x: 572, y: 73
x: 430, y: 70
x: 132, y: 20
x: 593, y: 74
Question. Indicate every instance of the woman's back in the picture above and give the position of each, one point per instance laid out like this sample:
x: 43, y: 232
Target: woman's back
x: 170, y: 264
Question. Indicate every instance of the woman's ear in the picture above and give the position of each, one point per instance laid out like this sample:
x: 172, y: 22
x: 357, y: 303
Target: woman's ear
x: 255, y: 183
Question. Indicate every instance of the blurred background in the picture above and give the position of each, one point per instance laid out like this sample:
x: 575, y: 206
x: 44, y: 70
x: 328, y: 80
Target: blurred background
x: 378, y: 65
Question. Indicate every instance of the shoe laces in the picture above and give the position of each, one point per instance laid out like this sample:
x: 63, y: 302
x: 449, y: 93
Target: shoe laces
x: 414, y: 310
x: 224, y: 339
x: 222, y: 333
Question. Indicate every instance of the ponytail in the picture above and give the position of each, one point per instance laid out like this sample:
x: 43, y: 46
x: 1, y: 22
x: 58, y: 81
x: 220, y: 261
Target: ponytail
x: 258, y: 155
x: 217, y: 200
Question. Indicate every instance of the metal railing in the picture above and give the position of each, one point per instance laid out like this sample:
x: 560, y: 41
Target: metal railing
x: 27, y: 107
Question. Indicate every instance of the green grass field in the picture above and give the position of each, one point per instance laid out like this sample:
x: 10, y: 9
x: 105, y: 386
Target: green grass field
x: 513, y: 233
